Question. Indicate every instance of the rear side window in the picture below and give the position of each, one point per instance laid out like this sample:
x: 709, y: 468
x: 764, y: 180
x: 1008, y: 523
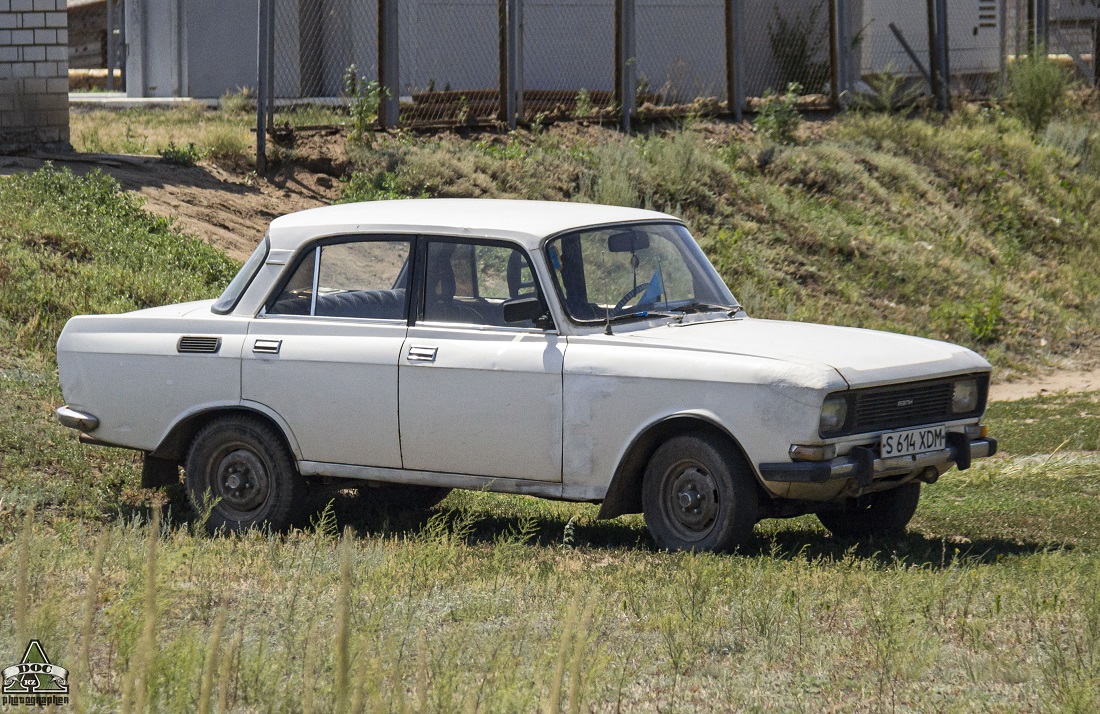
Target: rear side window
x: 351, y: 279
x: 232, y: 295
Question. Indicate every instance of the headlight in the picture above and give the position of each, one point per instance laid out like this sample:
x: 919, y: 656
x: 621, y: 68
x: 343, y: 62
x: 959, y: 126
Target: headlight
x: 833, y: 413
x: 964, y: 398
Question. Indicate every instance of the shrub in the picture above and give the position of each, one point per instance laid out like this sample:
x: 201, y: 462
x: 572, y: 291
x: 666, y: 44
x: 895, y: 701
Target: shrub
x: 181, y: 155
x: 796, y: 44
x: 778, y: 118
x: 366, y: 98
x: 239, y: 102
x: 1037, y: 89
x: 583, y: 108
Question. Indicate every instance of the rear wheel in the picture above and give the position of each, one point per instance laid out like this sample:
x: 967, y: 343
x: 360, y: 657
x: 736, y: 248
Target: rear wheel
x: 698, y: 495
x: 881, y: 513
x: 242, y: 471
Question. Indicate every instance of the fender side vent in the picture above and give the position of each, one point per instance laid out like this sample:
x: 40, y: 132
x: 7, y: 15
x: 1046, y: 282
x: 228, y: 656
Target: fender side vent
x: 202, y: 345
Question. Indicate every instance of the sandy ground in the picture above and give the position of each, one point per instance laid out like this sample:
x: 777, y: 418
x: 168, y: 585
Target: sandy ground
x: 1058, y: 381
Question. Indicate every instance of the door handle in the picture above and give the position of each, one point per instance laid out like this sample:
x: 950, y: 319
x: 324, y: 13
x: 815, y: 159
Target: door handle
x: 267, y: 347
x: 422, y: 354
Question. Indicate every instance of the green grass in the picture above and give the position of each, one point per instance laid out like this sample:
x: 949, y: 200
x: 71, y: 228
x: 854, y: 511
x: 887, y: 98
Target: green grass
x: 500, y: 603
x: 1062, y: 423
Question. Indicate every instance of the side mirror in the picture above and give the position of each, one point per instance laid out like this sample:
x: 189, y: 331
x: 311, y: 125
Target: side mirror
x: 627, y: 242
x: 523, y: 309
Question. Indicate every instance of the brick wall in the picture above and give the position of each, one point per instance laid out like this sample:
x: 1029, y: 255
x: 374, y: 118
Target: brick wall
x: 34, y: 73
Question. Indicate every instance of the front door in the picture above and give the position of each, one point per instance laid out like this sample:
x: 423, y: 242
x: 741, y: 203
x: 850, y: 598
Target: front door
x: 478, y: 395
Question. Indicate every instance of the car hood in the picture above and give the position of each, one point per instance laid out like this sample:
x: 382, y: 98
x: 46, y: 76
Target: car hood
x: 863, y: 357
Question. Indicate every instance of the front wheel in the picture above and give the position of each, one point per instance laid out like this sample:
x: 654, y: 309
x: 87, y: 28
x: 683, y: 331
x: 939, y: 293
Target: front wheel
x: 880, y: 513
x: 240, y: 470
x: 698, y: 495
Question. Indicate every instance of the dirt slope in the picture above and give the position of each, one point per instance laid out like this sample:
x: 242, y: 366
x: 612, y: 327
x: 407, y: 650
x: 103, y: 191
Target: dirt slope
x: 224, y: 208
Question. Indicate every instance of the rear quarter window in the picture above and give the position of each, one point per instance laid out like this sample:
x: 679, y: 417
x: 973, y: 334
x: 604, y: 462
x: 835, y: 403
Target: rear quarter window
x: 232, y: 294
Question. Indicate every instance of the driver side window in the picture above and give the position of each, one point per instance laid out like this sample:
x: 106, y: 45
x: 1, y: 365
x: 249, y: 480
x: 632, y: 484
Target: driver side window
x: 468, y: 283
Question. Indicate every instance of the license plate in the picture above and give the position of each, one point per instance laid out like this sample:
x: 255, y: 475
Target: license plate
x: 912, y: 441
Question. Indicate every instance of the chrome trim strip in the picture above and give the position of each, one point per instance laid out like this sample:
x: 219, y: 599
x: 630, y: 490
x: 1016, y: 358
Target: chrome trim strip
x: 316, y: 277
x: 546, y: 489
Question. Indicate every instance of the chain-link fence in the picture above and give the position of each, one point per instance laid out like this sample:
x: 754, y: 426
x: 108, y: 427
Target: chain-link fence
x: 460, y: 62
x: 1072, y: 36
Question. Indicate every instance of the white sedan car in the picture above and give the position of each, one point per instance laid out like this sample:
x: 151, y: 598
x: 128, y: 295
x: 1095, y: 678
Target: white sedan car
x: 569, y: 351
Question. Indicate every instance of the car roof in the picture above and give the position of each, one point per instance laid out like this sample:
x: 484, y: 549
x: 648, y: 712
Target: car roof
x: 525, y: 222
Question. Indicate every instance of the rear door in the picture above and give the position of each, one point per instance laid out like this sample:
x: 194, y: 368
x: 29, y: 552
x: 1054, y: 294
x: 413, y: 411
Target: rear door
x: 324, y: 354
x: 478, y: 395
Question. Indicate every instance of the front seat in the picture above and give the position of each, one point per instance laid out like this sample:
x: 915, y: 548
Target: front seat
x: 440, y: 304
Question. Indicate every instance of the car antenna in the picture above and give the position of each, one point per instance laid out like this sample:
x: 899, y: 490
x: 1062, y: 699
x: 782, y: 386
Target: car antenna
x: 607, y: 325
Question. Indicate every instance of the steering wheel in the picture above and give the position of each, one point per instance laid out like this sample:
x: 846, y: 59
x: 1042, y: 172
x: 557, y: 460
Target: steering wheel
x: 630, y: 294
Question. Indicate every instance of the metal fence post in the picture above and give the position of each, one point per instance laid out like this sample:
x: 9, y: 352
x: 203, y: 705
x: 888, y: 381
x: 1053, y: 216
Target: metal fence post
x: 122, y: 49
x: 111, y: 46
x: 935, y: 69
x: 625, y: 61
x: 506, y: 111
x: 944, y: 53
x: 517, y: 55
x: 1042, y: 24
x: 509, y: 60
x: 1096, y: 54
x: 271, y: 65
x: 735, y: 90
x: 388, y: 75
x: 261, y: 86
x: 834, y: 56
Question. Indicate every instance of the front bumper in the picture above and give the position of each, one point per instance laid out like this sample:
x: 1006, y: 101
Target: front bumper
x: 863, y: 466
x: 77, y: 420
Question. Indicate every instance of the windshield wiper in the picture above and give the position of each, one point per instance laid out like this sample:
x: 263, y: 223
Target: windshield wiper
x: 636, y: 315
x: 693, y: 307
x: 639, y: 315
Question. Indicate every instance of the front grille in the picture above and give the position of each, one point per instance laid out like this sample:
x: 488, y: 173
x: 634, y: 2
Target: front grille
x: 898, y: 406
x: 202, y: 345
x: 902, y: 405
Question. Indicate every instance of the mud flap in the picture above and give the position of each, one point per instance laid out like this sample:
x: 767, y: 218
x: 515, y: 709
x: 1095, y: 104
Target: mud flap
x: 159, y: 472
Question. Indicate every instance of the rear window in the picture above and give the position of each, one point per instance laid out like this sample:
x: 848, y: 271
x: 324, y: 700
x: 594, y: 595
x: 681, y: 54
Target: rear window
x: 240, y: 283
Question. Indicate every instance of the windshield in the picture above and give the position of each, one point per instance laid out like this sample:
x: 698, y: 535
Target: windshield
x: 237, y: 286
x: 622, y: 270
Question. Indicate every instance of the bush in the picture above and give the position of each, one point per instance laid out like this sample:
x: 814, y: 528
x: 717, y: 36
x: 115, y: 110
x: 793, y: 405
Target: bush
x: 1037, y: 89
x: 181, y: 155
x: 797, y: 44
x: 239, y: 102
x: 778, y: 118
x: 366, y: 99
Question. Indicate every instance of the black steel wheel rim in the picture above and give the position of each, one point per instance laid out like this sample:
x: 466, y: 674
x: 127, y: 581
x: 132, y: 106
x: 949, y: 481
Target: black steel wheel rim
x: 240, y: 480
x: 690, y: 500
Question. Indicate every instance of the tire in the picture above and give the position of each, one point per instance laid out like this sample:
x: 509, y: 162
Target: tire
x: 698, y: 495
x: 401, y: 498
x: 244, y: 464
x: 880, y: 513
